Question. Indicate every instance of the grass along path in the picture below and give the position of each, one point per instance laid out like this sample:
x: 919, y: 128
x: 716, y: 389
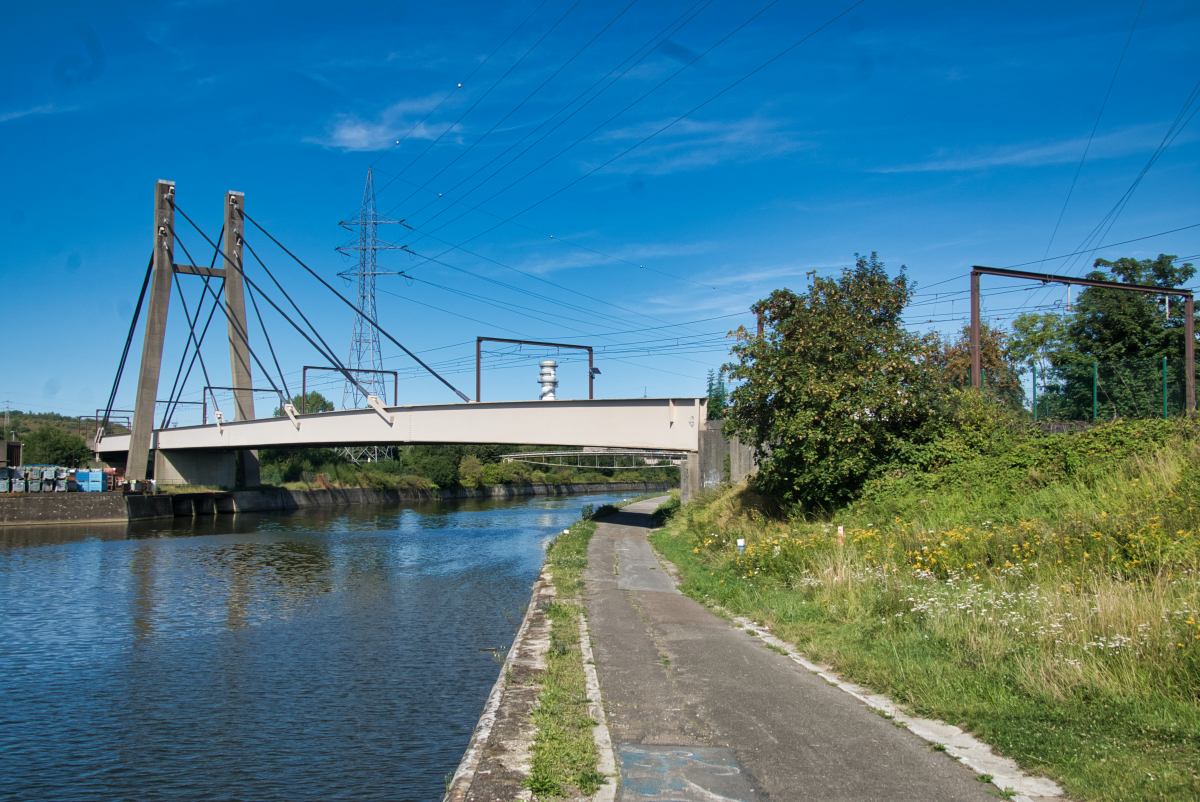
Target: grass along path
x: 565, y: 757
x: 1085, y: 675
x: 564, y: 752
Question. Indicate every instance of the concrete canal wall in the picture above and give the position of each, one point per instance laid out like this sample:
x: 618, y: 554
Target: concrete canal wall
x: 56, y: 508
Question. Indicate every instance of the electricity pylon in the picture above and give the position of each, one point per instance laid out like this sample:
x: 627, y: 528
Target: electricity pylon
x: 364, y: 341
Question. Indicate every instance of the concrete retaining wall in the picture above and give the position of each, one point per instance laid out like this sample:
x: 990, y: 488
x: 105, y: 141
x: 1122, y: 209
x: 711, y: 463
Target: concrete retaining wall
x: 706, y: 468
x: 52, y: 508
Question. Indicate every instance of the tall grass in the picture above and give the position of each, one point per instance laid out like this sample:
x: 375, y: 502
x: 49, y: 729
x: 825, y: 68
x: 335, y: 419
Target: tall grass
x: 1060, y: 622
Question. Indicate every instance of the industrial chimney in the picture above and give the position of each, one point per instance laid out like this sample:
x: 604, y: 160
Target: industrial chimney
x: 548, y: 379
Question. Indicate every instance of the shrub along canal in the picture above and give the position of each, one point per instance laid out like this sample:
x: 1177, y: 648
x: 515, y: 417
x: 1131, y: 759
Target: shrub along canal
x: 332, y: 653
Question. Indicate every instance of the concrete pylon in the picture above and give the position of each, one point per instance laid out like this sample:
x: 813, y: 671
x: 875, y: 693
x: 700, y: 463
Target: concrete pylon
x: 156, y: 326
x: 239, y: 335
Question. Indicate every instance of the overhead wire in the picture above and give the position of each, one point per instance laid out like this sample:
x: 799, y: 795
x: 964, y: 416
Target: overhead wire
x: 528, y: 97
x: 660, y: 130
x: 372, y: 321
x: 479, y: 100
x: 1095, y: 125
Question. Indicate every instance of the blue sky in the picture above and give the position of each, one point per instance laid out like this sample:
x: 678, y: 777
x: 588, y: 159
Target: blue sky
x: 939, y: 134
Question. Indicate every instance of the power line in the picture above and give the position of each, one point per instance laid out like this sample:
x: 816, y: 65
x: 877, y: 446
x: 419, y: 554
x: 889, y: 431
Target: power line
x: 485, y: 94
x: 645, y: 139
x: 515, y: 108
x: 1095, y: 125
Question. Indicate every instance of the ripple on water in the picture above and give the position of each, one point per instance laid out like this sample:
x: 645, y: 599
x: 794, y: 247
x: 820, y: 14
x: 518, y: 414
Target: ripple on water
x: 326, y: 654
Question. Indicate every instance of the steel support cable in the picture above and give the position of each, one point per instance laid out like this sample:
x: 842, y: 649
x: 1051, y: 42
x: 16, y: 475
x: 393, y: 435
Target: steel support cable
x: 303, y: 317
x: 647, y: 138
x: 191, y: 339
x: 247, y: 279
x: 479, y: 100
x: 270, y: 347
x: 1095, y: 125
x: 326, y: 352
x: 373, y: 322
x: 137, y: 311
x: 187, y: 375
x: 172, y: 401
x: 571, y: 102
x: 233, y: 324
x: 528, y: 97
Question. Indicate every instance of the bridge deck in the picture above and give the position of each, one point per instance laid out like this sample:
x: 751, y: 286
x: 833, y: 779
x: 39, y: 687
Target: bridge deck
x: 646, y: 423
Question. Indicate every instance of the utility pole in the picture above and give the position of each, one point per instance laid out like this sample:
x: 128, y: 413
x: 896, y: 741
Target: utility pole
x: 239, y: 337
x: 976, y: 356
x: 156, y: 327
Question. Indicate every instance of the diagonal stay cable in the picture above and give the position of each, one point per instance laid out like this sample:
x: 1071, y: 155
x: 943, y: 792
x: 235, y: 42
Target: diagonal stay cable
x: 188, y: 374
x: 303, y: 317
x: 112, y: 396
x: 232, y: 323
x: 191, y: 337
x: 346, y: 301
x: 176, y: 387
x: 328, y: 355
x: 267, y: 337
x: 250, y: 283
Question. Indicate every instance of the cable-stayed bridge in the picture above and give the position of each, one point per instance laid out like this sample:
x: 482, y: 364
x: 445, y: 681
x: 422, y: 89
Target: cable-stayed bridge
x: 207, y: 454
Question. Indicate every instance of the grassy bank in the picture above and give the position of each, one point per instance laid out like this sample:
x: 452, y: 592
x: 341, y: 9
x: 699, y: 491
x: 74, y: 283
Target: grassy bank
x: 564, y: 753
x: 1044, y: 596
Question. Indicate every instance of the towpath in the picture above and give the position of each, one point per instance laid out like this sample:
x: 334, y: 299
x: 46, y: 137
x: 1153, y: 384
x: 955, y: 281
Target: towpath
x: 700, y: 710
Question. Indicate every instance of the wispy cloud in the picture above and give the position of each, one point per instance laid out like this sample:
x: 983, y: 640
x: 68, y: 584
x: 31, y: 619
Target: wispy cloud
x: 49, y: 108
x: 1036, y: 154
x: 350, y: 132
x: 572, y: 257
x: 692, y: 144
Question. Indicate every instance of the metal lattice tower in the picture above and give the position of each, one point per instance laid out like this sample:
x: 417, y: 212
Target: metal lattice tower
x: 364, y: 341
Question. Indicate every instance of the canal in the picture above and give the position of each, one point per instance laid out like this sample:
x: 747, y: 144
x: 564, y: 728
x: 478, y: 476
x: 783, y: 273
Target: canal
x: 337, y: 653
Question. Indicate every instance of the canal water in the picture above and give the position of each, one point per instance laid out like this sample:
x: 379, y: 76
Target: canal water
x: 319, y: 655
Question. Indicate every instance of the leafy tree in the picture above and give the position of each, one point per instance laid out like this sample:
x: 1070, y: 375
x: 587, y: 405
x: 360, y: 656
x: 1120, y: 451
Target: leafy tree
x: 717, y: 395
x: 1001, y: 375
x: 1111, y: 325
x: 50, y: 445
x: 313, y: 402
x: 1037, y: 339
x: 1125, y: 335
x: 470, y: 471
x: 836, y: 386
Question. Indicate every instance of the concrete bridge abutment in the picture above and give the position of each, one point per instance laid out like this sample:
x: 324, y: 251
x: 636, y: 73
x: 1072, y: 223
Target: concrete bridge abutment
x: 719, y: 460
x: 200, y: 468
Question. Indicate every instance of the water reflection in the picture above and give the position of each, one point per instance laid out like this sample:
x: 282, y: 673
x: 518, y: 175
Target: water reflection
x: 315, y: 655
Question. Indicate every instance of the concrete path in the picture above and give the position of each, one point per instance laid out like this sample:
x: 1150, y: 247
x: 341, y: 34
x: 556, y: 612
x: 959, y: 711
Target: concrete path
x: 700, y: 710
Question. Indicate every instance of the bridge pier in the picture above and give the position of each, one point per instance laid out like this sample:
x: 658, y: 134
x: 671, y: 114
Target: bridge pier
x: 209, y: 468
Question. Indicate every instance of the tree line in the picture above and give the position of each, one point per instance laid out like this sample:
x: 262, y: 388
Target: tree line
x: 837, y: 389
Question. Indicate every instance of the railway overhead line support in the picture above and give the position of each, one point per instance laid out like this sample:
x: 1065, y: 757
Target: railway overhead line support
x: 1189, y: 337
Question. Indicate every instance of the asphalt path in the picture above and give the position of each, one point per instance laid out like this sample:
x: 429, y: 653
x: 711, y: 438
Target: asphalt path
x: 700, y: 710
